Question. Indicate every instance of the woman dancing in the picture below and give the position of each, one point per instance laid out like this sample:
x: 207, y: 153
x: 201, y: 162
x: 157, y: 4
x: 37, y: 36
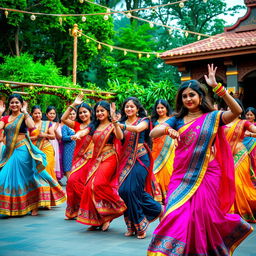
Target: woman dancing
x: 202, y: 187
x: 163, y: 147
x: 25, y: 185
x: 100, y: 202
x: 138, y: 187
x: 82, y: 153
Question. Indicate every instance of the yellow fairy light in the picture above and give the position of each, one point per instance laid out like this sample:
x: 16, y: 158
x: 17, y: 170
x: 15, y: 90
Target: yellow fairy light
x: 181, y: 5
x: 68, y: 91
x: 111, y: 48
x: 60, y: 20
x: 6, y: 13
x: 125, y: 52
x: 7, y: 85
x: 87, y: 40
x: 105, y: 17
x: 139, y: 55
x: 33, y: 17
x: 148, y: 55
x: 151, y: 24
x: 157, y: 55
x: 83, y: 18
x: 31, y: 87
x: 81, y: 1
x: 99, y: 47
x: 205, y: 1
x: 198, y: 37
x: 129, y: 15
x: 108, y: 10
x: 186, y: 34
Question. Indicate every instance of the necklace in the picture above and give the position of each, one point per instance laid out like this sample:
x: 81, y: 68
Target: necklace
x: 194, y: 114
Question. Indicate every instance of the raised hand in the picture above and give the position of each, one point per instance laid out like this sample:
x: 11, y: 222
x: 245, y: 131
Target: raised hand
x: 2, y: 107
x: 78, y: 99
x: 24, y: 107
x: 113, y: 112
x: 210, y: 79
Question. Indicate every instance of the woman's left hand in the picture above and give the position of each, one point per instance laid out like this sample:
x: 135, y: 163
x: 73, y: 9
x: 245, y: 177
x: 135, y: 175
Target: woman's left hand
x: 210, y: 79
x: 113, y: 112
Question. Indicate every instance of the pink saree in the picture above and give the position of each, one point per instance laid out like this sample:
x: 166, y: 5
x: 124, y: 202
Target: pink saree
x: 201, y: 191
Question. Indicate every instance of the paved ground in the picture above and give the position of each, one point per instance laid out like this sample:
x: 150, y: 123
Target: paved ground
x: 48, y: 234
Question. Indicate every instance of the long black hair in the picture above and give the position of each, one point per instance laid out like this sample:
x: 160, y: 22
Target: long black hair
x: 36, y: 107
x: 155, y: 115
x: 242, y: 115
x: 84, y: 105
x: 141, y: 110
x: 95, y: 122
x: 205, y: 105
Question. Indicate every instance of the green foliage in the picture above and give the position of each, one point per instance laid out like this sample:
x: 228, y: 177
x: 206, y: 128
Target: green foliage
x: 147, y: 96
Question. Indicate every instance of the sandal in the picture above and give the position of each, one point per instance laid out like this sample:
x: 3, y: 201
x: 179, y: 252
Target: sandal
x: 129, y: 233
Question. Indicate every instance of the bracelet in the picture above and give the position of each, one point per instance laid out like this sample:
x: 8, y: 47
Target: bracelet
x: 115, y: 121
x: 124, y: 126
x: 72, y: 107
x: 166, y: 130
x: 215, y: 88
x: 26, y: 115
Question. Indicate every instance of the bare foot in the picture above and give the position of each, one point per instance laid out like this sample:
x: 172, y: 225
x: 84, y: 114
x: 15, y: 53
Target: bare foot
x: 34, y: 212
x: 105, y: 226
x: 129, y: 233
x: 142, y: 235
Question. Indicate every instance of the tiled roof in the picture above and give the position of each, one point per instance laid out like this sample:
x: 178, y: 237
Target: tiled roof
x: 226, y: 40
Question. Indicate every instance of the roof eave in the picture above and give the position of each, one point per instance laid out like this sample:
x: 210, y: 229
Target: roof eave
x: 172, y: 60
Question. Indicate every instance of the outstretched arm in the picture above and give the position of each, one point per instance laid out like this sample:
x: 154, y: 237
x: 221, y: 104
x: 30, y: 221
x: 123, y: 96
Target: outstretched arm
x: 235, y: 110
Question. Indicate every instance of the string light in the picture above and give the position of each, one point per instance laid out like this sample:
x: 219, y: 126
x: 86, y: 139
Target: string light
x: 99, y: 47
x: 105, y: 17
x: 181, y: 5
x: 87, y: 40
x: 205, y: 1
x: 148, y: 55
x: 151, y: 24
x: 111, y: 48
x: 198, y: 37
x: 139, y: 55
x: 129, y: 15
x: 33, y: 17
x: 60, y: 21
x: 83, y: 19
x: 81, y: 1
x: 6, y: 13
x: 125, y: 52
x: 186, y: 34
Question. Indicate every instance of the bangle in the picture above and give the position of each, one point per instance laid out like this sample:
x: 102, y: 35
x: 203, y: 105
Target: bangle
x: 115, y: 121
x: 166, y: 130
x: 72, y: 107
x: 26, y: 115
x: 124, y: 126
x: 215, y: 88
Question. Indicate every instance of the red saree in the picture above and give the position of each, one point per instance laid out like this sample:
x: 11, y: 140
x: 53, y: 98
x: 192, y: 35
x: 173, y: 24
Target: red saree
x: 100, y: 200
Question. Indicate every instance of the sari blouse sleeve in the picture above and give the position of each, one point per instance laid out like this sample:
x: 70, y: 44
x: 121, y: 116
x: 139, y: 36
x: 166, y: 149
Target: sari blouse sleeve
x: 4, y: 119
x: 172, y: 122
x: 247, y: 125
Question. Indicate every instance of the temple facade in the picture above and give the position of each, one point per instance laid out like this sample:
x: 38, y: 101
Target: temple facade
x: 233, y: 51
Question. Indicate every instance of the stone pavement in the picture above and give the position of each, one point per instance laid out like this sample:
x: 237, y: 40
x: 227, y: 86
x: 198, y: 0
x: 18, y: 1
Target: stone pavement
x: 48, y: 234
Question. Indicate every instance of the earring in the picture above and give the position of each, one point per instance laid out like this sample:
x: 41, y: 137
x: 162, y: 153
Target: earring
x: 137, y: 114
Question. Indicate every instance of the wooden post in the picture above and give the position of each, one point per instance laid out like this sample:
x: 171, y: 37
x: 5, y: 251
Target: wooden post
x: 75, y: 33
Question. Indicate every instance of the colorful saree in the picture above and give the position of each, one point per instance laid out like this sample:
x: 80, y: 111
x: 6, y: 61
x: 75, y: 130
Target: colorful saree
x: 100, y: 201
x: 163, y: 154
x: 76, y: 180
x: 245, y: 200
x: 201, y: 191
x: 137, y: 185
x: 24, y: 183
x: 45, y: 145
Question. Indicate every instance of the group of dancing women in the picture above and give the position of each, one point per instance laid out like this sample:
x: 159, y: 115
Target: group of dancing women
x: 193, y: 169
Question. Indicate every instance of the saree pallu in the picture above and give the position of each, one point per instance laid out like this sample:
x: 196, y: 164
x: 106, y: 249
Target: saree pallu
x: 100, y: 201
x: 137, y: 185
x: 250, y: 144
x: 245, y: 199
x: 163, y: 154
x: 201, y: 192
x: 77, y: 178
x: 44, y: 145
x: 24, y: 183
